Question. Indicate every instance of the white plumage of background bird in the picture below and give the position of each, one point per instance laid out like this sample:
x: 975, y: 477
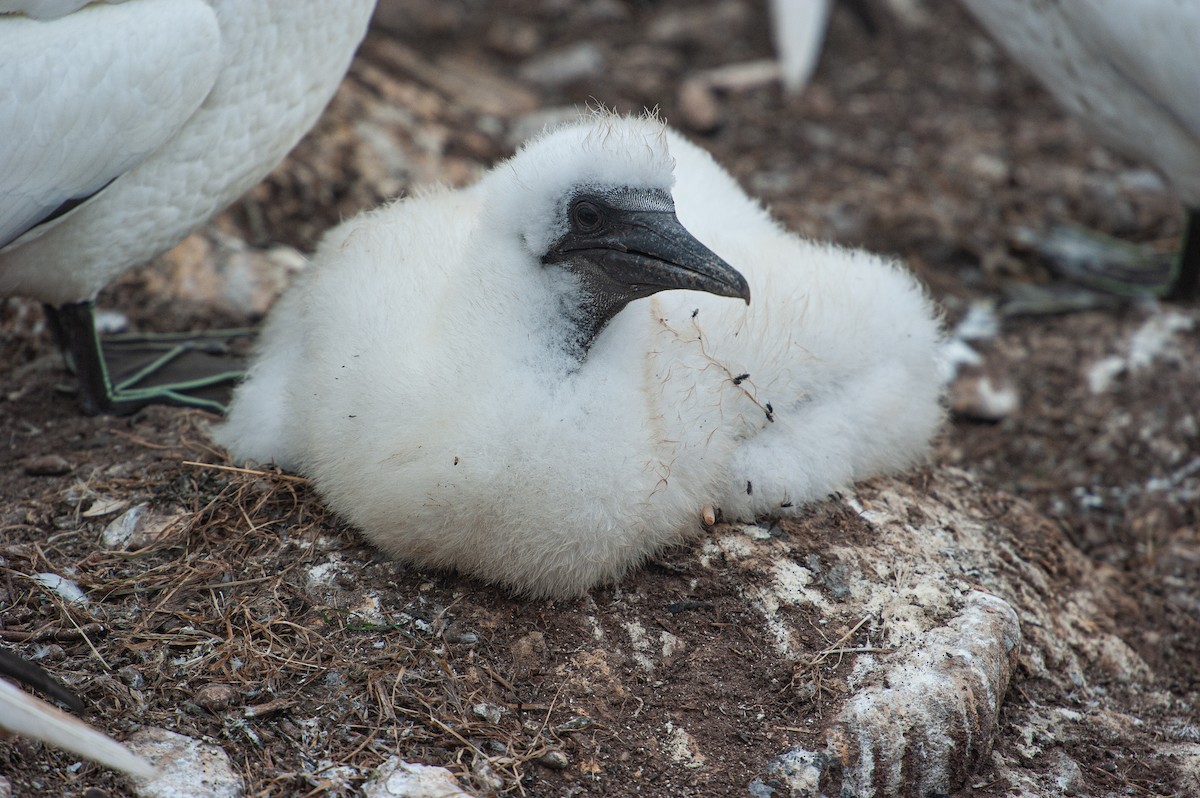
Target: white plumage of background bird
x: 798, y: 30
x: 1130, y: 72
x: 124, y: 126
x: 444, y: 374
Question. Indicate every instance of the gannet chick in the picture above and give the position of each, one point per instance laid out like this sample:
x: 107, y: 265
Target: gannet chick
x: 1128, y: 72
x: 29, y: 716
x: 481, y: 379
x: 125, y: 126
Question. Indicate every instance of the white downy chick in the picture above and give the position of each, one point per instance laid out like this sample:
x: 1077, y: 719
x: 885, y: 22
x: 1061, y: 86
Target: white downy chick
x: 461, y: 378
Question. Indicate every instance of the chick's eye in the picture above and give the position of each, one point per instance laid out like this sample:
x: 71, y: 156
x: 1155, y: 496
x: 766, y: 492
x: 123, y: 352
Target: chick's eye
x: 585, y: 216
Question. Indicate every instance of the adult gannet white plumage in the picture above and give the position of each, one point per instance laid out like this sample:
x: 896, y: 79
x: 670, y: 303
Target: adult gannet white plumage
x: 461, y: 378
x: 124, y: 126
x: 798, y: 30
x: 1128, y: 71
x: 24, y: 714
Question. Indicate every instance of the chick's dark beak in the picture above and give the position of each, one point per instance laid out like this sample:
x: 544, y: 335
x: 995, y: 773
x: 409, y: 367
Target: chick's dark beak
x: 651, y: 251
x: 642, y: 252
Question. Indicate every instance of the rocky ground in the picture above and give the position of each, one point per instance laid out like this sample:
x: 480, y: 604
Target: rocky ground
x: 863, y: 639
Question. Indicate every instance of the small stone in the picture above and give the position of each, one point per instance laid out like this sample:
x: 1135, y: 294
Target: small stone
x: 47, y: 465
x: 514, y: 38
x: 980, y: 396
x: 489, y: 712
x: 132, y: 677
x: 486, y: 775
x: 562, y: 67
x: 216, y: 697
x: 698, y: 106
x: 796, y: 773
x: 50, y: 653
x: 455, y: 635
x: 576, y: 723
x: 554, y: 759
x: 399, y: 779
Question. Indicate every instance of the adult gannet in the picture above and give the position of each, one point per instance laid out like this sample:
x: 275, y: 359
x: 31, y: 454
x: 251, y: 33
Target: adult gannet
x: 124, y: 126
x: 27, y: 715
x: 489, y: 379
x: 798, y: 31
x: 1128, y: 71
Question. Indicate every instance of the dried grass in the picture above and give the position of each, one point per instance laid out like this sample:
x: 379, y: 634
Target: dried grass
x: 226, y: 597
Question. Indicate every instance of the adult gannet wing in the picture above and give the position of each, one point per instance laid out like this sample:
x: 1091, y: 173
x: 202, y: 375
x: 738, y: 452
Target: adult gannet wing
x: 89, y: 95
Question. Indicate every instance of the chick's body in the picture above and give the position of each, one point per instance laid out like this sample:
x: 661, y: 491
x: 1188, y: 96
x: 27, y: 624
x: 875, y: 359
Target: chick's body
x: 426, y: 388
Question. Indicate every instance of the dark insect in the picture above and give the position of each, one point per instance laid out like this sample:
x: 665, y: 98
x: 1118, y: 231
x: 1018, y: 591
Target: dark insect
x: 749, y: 488
x: 740, y: 378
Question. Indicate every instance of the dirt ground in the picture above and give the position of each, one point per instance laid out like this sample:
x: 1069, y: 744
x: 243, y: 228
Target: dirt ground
x: 916, y: 138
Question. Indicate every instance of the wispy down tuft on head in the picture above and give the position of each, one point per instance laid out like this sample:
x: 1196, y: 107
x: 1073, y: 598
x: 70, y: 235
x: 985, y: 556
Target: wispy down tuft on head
x: 599, y: 151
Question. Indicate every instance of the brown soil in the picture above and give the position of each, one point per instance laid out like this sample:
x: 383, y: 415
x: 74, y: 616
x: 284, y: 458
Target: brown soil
x: 918, y: 139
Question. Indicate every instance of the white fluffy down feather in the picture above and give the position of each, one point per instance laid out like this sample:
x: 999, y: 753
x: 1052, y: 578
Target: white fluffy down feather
x: 417, y: 373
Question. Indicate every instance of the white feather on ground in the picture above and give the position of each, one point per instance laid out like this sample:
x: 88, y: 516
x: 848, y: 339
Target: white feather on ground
x: 27, y: 715
x: 417, y: 373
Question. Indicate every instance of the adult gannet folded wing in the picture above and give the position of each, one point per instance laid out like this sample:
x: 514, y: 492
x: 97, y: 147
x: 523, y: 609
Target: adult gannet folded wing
x: 27, y: 715
x: 1128, y: 71
x: 497, y: 379
x: 124, y: 126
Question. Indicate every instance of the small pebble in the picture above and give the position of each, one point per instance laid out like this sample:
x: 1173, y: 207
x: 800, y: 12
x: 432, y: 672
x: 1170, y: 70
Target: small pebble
x: 554, y: 759
x: 514, y: 38
x: 132, y: 677
x: 978, y: 396
x: 455, y: 635
x: 489, y: 712
x: 486, y: 775
x: 698, y: 105
x: 562, y: 67
x: 47, y: 465
x: 215, y: 697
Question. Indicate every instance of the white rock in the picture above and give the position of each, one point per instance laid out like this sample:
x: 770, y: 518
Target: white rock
x: 188, y: 768
x: 939, y: 699
x: 399, y: 779
x: 682, y: 747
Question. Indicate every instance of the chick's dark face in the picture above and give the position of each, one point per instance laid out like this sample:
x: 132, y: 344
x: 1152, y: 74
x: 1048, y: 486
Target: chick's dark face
x: 626, y: 244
